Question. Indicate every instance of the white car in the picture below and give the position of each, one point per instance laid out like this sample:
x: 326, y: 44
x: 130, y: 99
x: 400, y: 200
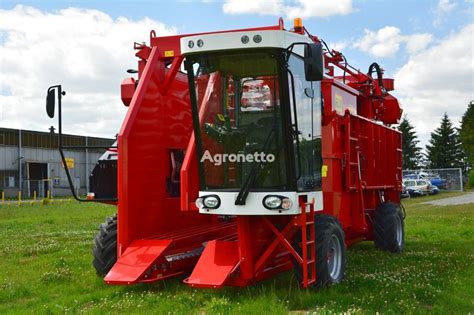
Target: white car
x: 418, y: 185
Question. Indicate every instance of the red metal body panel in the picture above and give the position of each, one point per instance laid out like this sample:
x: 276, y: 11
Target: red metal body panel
x: 362, y: 158
x: 136, y: 260
x: 222, y: 258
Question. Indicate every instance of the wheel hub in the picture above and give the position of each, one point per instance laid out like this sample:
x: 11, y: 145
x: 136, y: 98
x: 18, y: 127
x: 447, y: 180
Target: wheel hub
x: 334, y: 257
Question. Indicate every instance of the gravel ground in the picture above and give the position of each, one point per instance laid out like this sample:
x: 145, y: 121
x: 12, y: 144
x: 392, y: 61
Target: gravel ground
x: 459, y: 200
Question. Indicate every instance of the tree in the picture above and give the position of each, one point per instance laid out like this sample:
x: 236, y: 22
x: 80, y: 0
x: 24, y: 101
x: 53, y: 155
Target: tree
x: 411, y: 152
x: 466, y: 133
x: 444, y: 149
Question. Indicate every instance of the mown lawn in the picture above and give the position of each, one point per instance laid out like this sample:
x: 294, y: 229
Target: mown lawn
x: 45, y: 267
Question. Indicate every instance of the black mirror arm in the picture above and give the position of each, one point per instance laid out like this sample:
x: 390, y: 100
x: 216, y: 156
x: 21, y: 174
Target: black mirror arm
x: 290, y: 48
x: 61, y: 93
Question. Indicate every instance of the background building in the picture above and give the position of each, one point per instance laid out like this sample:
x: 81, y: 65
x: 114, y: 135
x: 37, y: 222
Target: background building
x: 30, y: 162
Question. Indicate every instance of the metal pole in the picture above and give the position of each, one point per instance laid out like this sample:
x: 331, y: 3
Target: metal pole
x: 20, y: 176
x: 460, y: 179
x: 87, y: 166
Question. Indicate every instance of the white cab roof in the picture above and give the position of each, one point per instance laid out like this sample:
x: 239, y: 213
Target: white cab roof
x: 233, y: 40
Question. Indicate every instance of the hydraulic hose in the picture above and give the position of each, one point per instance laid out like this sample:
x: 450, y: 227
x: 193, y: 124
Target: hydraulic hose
x: 379, y: 73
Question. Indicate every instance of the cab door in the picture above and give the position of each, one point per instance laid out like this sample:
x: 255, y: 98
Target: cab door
x: 305, y: 104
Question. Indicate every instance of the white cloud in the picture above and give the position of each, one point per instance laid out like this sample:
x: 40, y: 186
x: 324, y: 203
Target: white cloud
x: 386, y: 41
x: 418, y: 42
x: 436, y: 80
x: 383, y: 43
x: 338, y: 46
x: 86, y: 51
x: 320, y: 8
x: 445, y: 6
x: 300, y: 8
x: 261, y: 7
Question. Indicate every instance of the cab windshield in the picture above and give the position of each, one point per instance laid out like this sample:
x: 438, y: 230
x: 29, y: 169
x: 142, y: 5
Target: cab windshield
x: 239, y: 133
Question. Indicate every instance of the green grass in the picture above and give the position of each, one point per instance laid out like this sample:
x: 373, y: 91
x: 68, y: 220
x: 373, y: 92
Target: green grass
x: 45, y: 267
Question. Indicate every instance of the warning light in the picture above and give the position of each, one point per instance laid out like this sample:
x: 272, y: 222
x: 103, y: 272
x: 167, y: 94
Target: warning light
x: 298, y: 25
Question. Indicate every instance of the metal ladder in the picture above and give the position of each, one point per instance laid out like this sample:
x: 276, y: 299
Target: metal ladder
x: 352, y: 163
x: 308, y: 247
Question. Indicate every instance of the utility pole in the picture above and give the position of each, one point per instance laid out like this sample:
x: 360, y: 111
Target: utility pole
x: 87, y: 166
x: 20, y: 175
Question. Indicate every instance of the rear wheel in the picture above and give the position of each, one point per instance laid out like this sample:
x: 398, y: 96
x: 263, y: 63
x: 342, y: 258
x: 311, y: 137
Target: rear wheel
x: 105, y: 246
x: 389, y: 229
x: 330, y: 252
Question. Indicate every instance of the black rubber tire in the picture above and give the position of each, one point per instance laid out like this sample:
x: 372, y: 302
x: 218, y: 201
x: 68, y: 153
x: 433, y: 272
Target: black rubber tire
x: 388, y: 220
x: 105, y: 246
x: 325, y: 227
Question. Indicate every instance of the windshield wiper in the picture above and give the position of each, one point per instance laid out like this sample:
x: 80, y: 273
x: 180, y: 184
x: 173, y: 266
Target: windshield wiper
x: 254, y: 172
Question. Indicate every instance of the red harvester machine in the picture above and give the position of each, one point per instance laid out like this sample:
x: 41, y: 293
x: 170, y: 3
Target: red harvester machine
x: 243, y: 155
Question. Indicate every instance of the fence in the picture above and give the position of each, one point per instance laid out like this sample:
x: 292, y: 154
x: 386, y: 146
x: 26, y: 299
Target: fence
x: 45, y: 188
x: 448, y: 179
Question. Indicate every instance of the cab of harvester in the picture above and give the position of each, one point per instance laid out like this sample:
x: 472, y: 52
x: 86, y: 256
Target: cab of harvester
x: 243, y: 155
x: 256, y: 104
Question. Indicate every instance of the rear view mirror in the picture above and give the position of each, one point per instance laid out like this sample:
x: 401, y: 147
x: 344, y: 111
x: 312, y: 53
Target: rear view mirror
x: 313, y: 62
x: 50, y: 102
x: 51, y: 99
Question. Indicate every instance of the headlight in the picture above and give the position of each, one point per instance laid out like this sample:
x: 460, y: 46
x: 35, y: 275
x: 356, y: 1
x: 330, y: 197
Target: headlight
x: 286, y: 204
x: 274, y: 202
x: 199, y: 203
x: 208, y: 202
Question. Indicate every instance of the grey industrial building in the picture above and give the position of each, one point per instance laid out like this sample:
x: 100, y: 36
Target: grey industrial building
x: 30, y: 163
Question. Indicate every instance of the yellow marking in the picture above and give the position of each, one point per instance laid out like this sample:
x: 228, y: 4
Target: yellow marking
x: 220, y: 117
x: 324, y: 171
x: 169, y: 53
x: 69, y: 163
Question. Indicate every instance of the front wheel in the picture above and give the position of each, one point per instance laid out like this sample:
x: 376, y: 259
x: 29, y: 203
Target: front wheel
x: 389, y: 228
x: 330, y: 252
x: 105, y: 246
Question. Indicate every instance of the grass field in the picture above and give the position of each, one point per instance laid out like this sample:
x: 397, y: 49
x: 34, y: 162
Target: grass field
x: 45, y: 267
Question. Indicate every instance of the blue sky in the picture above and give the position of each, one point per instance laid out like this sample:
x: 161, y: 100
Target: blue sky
x: 415, y: 16
x: 405, y: 37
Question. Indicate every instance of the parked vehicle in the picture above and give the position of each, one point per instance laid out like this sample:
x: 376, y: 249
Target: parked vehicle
x: 414, y: 192
x: 404, y: 193
x: 418, y: 186
x: 435, y: 179
x: 434, y: 190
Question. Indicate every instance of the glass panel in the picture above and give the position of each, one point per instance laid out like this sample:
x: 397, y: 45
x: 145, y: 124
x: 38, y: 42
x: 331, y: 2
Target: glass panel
x: 239, y: 96
x: 305, y: 99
